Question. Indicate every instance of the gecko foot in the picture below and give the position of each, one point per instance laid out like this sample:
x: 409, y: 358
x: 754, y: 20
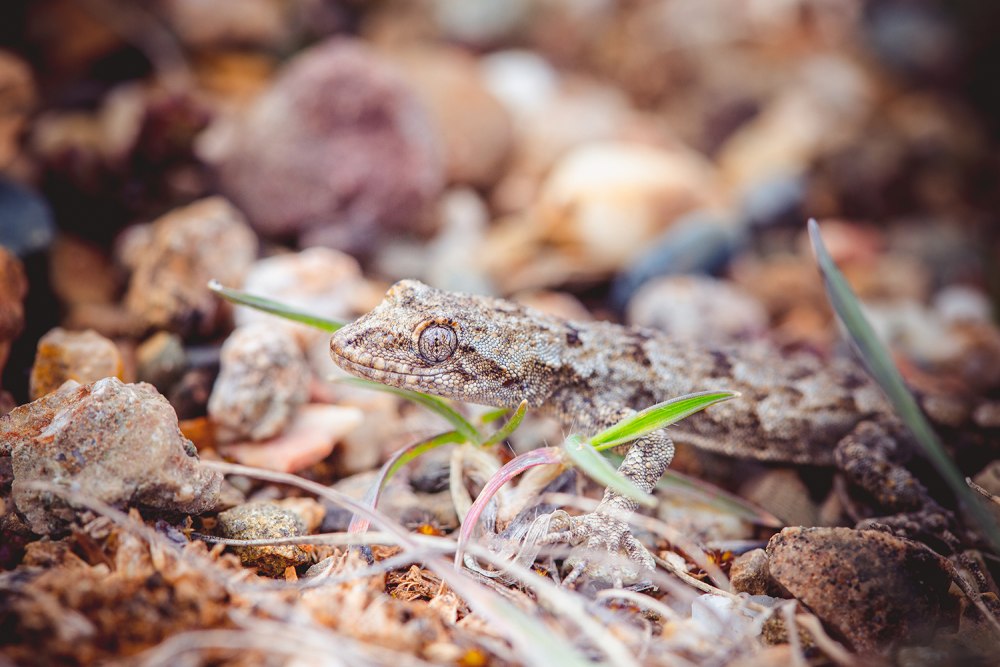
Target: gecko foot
x: 606, y: 549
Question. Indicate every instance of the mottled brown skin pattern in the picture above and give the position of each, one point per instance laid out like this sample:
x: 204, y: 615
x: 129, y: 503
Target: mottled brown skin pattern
x: 592, y: 374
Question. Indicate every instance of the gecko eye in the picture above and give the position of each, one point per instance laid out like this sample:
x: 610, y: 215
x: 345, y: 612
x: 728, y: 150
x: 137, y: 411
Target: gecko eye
x: 437, y: 342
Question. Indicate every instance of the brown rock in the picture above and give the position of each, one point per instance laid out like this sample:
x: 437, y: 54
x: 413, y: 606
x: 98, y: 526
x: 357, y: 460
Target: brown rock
x: 749, y: 574
x: 7, y: 403
x: 83, y: 356
x: 189, y: 246
x: 13, y: 288
x: 160, y: 360
x: 337, y: 151
x: 190, y: 393
x: 114, y: 442
x: 308, y: 439
x: 989, y: 479
x: 316, y: 280
x: 475, y: 127
x: 259, y: 521
x: 872, y: 588
x: 15, y: 104
x: 259, y: 23
x: 603, y: 201
x: 71, y: 258
x: 262, y: 380
x: 112, y: 320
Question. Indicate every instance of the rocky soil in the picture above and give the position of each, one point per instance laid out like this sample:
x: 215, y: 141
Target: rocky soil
x: 183, y: 481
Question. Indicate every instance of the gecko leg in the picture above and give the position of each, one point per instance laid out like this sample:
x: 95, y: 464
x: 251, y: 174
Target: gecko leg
x: 870, y: 458
x: 605, y: 530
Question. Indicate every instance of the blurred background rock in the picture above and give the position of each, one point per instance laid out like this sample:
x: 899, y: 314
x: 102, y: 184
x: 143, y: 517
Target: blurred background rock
x: 566, y: 153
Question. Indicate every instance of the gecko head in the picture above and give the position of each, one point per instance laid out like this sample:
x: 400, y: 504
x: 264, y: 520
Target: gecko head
x: 461, y: 346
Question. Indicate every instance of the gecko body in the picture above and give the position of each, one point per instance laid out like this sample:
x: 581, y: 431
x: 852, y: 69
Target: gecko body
x: 592, y: 374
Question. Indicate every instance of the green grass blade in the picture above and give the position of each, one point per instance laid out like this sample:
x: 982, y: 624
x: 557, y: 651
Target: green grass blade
x: 393, y: 465
x: 657, y: 417
x: 432, y: 403
x: 708, y: 494
x: 719, y: 499
x: 591, y: 463
x: 493, y: 415
x: 273, y: 307
x: 509, y: 427
x: 881, y: 367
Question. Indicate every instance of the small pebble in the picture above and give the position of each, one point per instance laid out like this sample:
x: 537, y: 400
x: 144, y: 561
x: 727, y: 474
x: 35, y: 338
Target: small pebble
x: 826, y: 101
x: 263, y: 379
x: 259, y: 521
x: 481, y: 22
x: 875, y: 589
x: 160, y: 360
x: 989, y: 478
x: 27, y: 226
x: 450, y: 261
x: 697, y: 308
x: 987, y: 415
x: 83, y: 356
x: 308, y: 439
x: 72, y: 257
x: 16, y: 104
x: 323, y: 281
x: 603, y: 202
x: 749, y: 574
x: 188, y: 247
x: 477, y: 133
x: 13, y: 288
x: 260, y: 24
x: 337, y: 152
x: 699, y: 242
x: 959, y: 303
x: 776, y: 202
x: 7, y: 402
x: 522, y: 80
x: 114, y: 442
x: 190, y: 393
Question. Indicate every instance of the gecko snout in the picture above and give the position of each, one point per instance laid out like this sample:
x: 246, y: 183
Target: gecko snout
x: 341, y: 343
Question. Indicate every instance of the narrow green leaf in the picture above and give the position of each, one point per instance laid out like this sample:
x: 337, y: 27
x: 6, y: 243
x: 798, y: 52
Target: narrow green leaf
x: 657, y: 417
x: 493, y: 415
x: 881, y: 367
x: 510, y: 470
x: 587, y: 459
x: 393, y: 465
x: 708, y: 494
x: 509, y: 427
x: 432, y: 403
x: 711, y: 495
x: 273, y: 307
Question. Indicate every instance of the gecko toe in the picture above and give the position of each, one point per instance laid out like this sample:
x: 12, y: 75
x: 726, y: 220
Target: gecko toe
x: 605, y: 550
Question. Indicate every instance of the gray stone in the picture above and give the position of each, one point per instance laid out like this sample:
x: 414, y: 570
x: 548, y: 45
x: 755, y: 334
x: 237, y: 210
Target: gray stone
x: 114, y: 442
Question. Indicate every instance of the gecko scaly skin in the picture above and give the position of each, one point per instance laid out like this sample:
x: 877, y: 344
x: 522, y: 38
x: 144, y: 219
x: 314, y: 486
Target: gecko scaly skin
x: 591, y: 375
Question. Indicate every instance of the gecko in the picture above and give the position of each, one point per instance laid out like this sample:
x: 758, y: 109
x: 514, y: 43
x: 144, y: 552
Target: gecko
x: 590, y: 375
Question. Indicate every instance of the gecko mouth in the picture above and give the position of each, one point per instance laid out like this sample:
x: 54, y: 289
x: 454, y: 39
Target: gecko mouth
x: 367, y: 365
